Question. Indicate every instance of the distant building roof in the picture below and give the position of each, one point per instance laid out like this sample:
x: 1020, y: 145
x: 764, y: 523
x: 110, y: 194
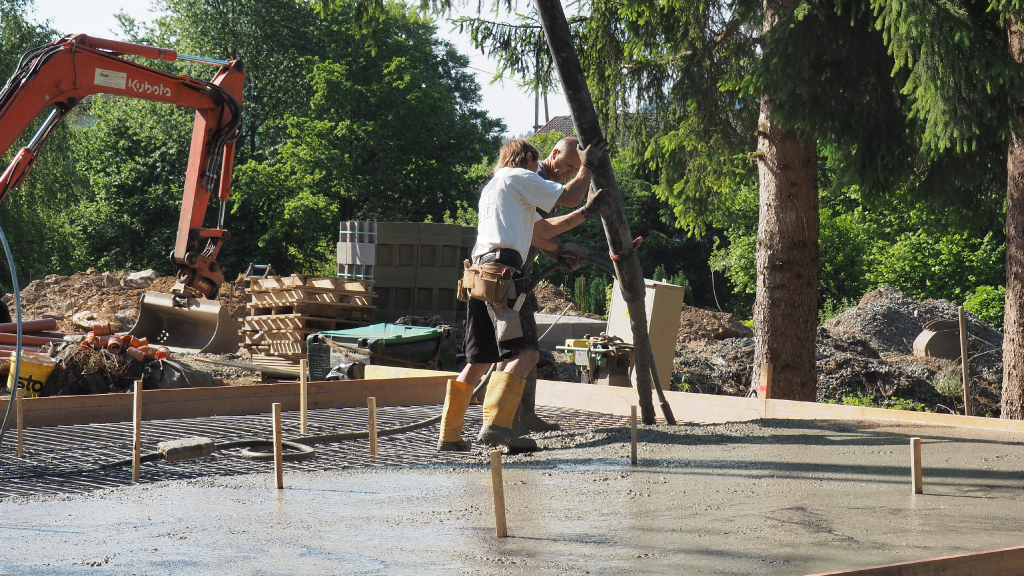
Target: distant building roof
x: 561, y: 124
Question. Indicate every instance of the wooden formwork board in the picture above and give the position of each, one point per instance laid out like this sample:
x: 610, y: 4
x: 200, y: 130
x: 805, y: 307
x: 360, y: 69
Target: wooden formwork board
x: 276, y: 362
x: 305, y: 295
x: 257, y: 337
x: 707, y: 408
x: 231, y: 400
x: 298, y: 280
x: 336, y: 310
x: 295, y: 349
x: 1004, y: 562
x: 297, y: 321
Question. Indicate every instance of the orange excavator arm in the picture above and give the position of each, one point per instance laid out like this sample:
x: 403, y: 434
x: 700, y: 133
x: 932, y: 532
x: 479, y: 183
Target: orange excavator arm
x: 60, y: 74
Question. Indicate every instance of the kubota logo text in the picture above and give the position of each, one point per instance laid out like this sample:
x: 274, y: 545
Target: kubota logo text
x: 147, y: 88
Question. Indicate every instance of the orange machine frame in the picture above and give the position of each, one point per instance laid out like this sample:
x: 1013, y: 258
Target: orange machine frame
x: 62, y: 73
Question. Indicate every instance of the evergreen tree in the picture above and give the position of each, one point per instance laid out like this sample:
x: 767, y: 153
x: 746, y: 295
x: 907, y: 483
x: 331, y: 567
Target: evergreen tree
x: 964, y: 63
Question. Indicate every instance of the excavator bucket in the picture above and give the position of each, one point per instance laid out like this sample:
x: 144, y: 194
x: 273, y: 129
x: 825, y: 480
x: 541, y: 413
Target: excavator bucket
x: 199, y: 325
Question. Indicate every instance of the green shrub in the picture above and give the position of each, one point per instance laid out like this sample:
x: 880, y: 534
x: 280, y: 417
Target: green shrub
x: 830, y: 308
x: 987, y: 303
x: 925, y: 265
x: 591, y: 294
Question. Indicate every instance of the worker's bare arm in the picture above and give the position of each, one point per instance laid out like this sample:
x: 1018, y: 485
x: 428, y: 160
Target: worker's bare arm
x: 576, y: 189
x: 547, y: 244
x: 551, y: 227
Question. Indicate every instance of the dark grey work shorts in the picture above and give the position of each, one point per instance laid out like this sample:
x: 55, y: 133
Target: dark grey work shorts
x: 495, y: 335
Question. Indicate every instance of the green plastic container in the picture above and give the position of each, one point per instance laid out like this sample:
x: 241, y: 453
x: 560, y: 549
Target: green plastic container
x: 404, y: 346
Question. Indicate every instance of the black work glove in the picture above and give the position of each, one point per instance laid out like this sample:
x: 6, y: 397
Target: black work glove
x: 592, y: 154
x: 593, y: 198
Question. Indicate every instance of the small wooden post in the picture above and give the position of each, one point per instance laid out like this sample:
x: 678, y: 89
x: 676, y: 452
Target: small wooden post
x: 764, y: 386
x: 278, y: 456
x: 303, y: 397
x: 498, y: 485
x: 632, y: 435
x: 19, y: 399
x: 968, y: 409
x: 137, y: 438
x: 917, y: 476
x: 371, y: 409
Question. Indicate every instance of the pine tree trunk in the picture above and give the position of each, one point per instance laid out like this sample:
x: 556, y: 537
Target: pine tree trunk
x: 1013, y: 330
x: 613, y: 214
x: 785, y: 308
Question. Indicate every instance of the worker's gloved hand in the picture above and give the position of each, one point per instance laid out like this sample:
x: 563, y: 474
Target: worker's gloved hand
x: 574, y: 255
x: 592, y: 154
x: 593, y: 197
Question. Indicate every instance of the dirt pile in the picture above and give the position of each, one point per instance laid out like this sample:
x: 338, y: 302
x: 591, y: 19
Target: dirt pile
x: 79, y: 300
x: 698, y: 327
x: 866, y: 351
x: 552, y: 300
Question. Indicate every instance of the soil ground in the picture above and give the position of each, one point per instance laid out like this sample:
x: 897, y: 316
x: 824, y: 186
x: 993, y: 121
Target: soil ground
x: 768, y: 497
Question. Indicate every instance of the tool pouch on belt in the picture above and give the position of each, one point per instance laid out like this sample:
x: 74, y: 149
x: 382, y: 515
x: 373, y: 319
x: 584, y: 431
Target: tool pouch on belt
x: 488, y: 282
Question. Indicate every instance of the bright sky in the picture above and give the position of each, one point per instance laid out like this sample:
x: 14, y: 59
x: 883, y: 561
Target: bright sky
x: 502, y: 100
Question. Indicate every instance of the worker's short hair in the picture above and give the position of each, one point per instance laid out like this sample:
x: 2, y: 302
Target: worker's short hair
x: 516, y: 154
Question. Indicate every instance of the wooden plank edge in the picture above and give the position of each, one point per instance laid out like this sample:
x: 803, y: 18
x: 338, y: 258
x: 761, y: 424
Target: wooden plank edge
x: 230, y: 400
x: 1002, y: 562
x: 709, y: 408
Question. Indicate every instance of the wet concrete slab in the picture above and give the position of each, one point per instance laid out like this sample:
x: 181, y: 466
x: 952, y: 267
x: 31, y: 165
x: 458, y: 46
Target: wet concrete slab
x: 770, y: 497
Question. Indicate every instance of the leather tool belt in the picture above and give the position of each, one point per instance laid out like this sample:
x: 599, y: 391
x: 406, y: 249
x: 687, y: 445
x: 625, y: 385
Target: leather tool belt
x: 489, y: 282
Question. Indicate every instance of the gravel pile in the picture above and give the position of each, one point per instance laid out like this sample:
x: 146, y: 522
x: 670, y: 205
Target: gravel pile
x: 866, y: 351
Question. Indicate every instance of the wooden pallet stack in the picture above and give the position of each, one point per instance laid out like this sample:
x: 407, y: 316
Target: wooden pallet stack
x: 284, y: 310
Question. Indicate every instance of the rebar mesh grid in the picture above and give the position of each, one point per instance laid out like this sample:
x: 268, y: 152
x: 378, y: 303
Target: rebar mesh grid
x: 63, y: 459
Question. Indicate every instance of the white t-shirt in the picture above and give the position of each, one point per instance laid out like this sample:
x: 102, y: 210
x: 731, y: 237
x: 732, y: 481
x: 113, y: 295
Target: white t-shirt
x: 508, y: 209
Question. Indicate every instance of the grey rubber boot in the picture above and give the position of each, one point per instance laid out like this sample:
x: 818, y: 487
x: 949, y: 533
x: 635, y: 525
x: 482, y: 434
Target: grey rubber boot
x: 498, y: 436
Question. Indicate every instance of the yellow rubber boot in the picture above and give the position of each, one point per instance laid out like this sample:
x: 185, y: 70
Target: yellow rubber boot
x: 456, y: 401
x: 503, y: 394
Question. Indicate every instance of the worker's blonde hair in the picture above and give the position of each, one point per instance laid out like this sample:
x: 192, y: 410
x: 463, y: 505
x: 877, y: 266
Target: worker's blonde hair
x: 516, y: 154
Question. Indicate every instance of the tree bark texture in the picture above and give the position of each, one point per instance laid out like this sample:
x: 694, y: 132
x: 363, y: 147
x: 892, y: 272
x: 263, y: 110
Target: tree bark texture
x: 1013, y: 331
x: 613, y: 214
x: 785, y: 308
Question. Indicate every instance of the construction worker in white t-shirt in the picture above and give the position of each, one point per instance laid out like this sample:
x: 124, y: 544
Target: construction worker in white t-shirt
x: 495, y: 290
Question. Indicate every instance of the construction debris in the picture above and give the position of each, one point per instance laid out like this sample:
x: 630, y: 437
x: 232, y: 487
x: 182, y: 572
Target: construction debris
x: 865, y: 354
x: 76, y: 302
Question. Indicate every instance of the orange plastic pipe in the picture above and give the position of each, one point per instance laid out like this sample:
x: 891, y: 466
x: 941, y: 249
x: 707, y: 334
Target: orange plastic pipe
x: 30, y: 326
x: 27, y: 340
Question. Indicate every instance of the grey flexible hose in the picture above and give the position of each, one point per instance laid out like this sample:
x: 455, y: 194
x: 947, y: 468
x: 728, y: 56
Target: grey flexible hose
x: 16, y: 369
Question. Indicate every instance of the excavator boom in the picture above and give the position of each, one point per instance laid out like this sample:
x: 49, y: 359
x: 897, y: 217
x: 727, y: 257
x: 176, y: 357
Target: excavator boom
x: 59, y: 75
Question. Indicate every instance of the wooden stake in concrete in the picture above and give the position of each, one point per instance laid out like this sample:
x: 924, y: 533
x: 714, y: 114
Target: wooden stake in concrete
x: 968, y: 409
x: 278, y: 455
x: 137, y: 438
x: 303, y: 396
x: 917, y: 476
x: 632, y: 435
x: 371, y: 410
x: 764, y: 386
x: 498, y: 485
x: 19, y: 397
